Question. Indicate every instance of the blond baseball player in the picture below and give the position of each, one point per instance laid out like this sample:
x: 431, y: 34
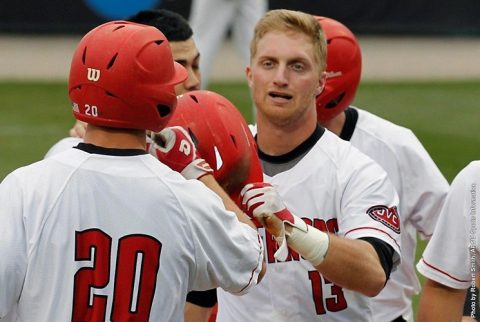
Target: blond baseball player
x: 338, y: 206
x: 420, y: 184
x: 451, y: 258
x: 105, y: 232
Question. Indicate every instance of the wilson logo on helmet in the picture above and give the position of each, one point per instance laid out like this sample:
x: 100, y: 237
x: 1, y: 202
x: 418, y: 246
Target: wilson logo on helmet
x: 93, y: 74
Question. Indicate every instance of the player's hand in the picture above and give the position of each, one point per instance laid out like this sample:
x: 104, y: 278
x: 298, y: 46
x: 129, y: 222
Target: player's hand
x: 261, y: 201
x: 78, y: 129
x: 174, y: 147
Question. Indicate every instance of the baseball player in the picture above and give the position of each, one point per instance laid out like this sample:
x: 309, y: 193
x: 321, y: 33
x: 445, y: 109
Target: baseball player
x: 420, y: 185
x: 185, y: 52
x: 338, y: 206
x: 212, y: 19
x: 104, y: 231
x: 452, y: 255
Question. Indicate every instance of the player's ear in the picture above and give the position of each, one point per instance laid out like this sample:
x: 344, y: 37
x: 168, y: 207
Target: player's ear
x: 321, y: 84
x: 248, y: 73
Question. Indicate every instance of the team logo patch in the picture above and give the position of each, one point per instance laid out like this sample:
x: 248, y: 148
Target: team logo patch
x: 387, y: 216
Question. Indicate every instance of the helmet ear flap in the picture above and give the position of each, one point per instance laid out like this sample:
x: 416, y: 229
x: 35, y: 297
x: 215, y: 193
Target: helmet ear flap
x: 335, y: 102
x: 222, y: 137
x: 344, y: 65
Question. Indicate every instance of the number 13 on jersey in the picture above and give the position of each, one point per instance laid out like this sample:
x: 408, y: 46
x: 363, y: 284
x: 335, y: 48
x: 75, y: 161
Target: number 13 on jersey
x: 334, y: 302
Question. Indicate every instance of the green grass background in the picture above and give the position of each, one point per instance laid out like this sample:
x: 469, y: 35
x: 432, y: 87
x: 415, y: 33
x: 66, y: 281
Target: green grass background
x: 444, y: 115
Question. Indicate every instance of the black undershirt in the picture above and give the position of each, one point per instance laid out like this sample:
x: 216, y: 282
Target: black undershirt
x: 274, y: 164
x: 95, y: 149
x: 302, y: 149
x: 351, y: 118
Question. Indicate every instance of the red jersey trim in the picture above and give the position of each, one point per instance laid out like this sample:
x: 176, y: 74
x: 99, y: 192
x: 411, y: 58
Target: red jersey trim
x: 260, y: 262
x: 440, y: 271
x: 374, y: 228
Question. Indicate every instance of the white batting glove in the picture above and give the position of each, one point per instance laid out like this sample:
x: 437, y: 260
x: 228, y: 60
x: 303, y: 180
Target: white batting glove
x: 262, y: 201
x: 174, y: 147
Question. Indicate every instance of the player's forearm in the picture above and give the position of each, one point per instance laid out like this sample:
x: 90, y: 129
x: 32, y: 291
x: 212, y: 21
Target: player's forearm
x: 213, y: 185
x: 353, y: 264
x: 196, y: 313
x: 440, y: 303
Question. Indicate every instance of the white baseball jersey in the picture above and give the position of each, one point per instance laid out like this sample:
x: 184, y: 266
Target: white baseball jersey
x: 453, y: 251
x: 421, y: 188
x: 62, y: 145
x: 335, y: 188
x: 100, y: 237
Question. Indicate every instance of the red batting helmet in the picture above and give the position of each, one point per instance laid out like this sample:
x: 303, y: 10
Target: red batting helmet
x: 123, y: 76
x: 222, y: 137
x: 344, y: 66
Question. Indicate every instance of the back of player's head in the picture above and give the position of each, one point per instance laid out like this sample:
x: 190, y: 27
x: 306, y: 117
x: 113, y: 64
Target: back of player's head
x: 173, y: 25
x: 283, y: 20
x: 222, y: 137
x: 344, y: 66
x: 123, y: 76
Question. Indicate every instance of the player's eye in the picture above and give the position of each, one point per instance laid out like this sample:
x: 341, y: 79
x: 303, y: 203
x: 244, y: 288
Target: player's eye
x: 298, y: 67
x: 182, y: 62
x: 267, y: 64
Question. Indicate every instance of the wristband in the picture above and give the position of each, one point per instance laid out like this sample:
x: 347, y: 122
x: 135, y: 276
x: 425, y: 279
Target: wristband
x: 311, y: 244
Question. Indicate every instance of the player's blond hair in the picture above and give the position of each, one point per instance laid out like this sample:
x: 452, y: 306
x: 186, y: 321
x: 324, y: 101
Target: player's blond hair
x: 289, y: 20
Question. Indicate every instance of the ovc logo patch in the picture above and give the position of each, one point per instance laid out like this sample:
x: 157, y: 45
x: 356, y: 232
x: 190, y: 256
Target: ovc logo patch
x: 387, y: 216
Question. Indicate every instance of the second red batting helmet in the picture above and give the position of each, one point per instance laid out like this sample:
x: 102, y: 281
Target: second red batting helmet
x: 222, y: 137
x: 344, y: 66
x: 123, y: 76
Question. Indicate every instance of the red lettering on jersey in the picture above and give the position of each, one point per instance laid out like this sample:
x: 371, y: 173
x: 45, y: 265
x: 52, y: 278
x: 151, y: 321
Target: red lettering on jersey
x: 88, y: 306
x: 320, y: 224
x: 137, y: 254
x: 271, y: 247
x: 331, y: 226
x: 387, y: 216
x: 292, y: 255
x: 334, y: 302
x: 308, y: 221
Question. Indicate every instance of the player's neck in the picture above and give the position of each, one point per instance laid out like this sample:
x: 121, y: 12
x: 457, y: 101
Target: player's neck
x: 336, y: 124
x: 274, y: 139
x: 115, y: 138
